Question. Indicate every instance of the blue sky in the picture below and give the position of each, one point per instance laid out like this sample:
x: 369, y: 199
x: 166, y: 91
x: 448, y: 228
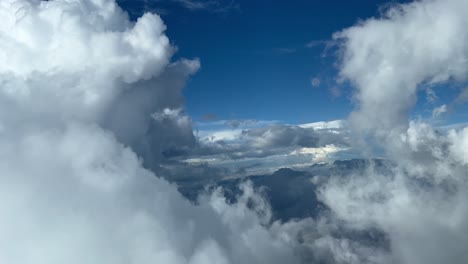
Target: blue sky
x: 259, y: 58
x: 256, y: 63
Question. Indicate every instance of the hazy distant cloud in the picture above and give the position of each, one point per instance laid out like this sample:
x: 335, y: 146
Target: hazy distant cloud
x: 209, y: 117
x: 462, y: 97
x: 431, y: 95
x: 316, y: 43
x: 282, y: 51
x: 325, y: 44
x: 240, y: 143
x: 281, y: 136
x: 315, y: 82
x: 236, y: 123
x: 328, y: 47
x: 335, y: 91
x: 215, y: 6
x: 438, y: 111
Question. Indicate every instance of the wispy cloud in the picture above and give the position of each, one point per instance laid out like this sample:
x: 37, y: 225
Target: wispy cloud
x: 282, y: 51
x: 325, y: 44
x: 315, y: 82
x: 335, y: 91
x: 317, y: 43
x: 214, y: 6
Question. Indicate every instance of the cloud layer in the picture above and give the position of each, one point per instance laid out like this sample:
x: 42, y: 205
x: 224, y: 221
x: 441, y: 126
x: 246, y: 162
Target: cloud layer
x: 257, y: 147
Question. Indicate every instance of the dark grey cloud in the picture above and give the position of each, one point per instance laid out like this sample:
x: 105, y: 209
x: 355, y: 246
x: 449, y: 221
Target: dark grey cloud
x: 149, y: 117
x: 240, y: 144
x: 274, y: 139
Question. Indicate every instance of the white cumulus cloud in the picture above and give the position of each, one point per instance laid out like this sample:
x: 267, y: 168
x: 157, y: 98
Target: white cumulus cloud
x: 421, y: 202
x: 81, y: 87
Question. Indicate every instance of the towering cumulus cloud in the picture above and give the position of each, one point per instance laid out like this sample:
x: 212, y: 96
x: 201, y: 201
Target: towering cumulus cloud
x: 422, y: 204
x: 79, y: 84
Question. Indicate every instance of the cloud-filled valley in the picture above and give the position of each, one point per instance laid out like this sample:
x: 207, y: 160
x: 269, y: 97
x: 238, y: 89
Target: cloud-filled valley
x: 101, y: 163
